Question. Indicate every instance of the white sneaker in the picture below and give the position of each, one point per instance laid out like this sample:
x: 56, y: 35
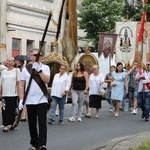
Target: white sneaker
x: 96, y: 115
x: 111, y: 109
x: 134, y: 112
x: 79, y: 119
x: 72, y: 119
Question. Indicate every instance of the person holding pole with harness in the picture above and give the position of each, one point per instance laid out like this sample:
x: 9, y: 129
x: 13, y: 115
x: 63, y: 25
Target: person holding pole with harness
x: 143, y: 93
x: 36, y: 101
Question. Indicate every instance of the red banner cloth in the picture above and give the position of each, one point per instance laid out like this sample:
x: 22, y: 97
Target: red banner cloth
x: 143, y: 78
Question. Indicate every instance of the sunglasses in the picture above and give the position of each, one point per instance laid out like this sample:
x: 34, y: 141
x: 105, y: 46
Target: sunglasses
x: 35, y: 55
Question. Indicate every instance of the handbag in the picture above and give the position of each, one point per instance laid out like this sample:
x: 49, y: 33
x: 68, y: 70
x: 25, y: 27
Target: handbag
x: 102, y: 92
x: 113, y: 83
x: 17, y: 82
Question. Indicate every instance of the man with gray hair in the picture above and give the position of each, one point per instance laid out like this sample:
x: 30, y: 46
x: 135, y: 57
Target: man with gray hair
x: 36, y: 101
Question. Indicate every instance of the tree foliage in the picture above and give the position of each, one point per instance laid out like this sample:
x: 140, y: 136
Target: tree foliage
x: 132, y: 12
x: 100, y: 16
x: 147, y: 8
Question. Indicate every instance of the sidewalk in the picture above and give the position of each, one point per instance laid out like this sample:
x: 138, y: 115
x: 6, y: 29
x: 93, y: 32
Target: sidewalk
x: 124, y: 143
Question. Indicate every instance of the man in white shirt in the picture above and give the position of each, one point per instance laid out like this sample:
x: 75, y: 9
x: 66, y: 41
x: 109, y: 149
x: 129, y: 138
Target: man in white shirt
x: 143, y: 93
x: 36, y: 102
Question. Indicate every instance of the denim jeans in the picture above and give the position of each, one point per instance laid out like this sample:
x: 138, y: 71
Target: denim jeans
x: 61, y: 102
x: 108, y: 98
x: 133, y: 93
x: 143, y: 103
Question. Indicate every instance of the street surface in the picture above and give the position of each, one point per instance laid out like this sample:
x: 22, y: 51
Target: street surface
x: 86, y: 135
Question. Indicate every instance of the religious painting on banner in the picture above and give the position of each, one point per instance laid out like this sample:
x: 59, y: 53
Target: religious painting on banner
x: 126, y: 43
x: 107, y: 43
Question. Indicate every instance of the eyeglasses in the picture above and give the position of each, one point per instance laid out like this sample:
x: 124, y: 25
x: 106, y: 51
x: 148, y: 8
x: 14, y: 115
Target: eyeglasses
x: 77, y: 65
x: 94, y: 68
x: 35, y: 55
x: 62, y: 69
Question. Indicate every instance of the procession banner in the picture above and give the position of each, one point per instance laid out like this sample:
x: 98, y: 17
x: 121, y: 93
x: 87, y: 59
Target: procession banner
x: 55, y: 11
x: 68, y: 32
x: 68, y: 35
x: 126, y: 41
x: 107, y: 44
x: 148, y: 41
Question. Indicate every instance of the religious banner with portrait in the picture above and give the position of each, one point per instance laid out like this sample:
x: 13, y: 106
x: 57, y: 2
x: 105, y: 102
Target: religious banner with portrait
x: 107, y: 44
x: 126, y: 42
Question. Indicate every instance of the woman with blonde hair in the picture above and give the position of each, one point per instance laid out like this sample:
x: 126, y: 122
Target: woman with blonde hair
x: 96, y: 84
x: 8, y: 92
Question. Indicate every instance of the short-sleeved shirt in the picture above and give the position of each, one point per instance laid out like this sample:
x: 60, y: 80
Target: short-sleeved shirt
x: 94, y: 83
x: 132, y: 82
x: 107, y: 78
x: 8, y: 82
x: 117, y: 92
x: 35, y: 94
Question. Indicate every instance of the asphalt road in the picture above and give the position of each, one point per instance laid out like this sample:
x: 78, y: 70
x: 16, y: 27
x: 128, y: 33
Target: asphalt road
x: 86, y: 135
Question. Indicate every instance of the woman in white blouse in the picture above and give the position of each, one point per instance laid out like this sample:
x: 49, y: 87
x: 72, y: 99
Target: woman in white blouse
x: 8, y: 92
x: 60, y: 87
x: 95, y: 84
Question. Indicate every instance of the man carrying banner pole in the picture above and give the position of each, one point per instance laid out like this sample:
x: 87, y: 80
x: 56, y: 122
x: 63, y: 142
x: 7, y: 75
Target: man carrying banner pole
x: 142, y: 77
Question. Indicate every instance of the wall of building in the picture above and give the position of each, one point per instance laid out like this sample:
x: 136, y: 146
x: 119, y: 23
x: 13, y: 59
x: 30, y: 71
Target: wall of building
x: 26, y: 20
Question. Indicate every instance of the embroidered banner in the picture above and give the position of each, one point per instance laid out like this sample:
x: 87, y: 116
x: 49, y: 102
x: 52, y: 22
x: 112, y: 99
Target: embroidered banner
x: 126, y: 42
x: 107, y: 44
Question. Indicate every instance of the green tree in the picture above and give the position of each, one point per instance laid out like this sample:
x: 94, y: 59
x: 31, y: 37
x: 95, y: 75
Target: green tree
x: 99, y: 16
x: 147, y: 8
x: 132, y: 12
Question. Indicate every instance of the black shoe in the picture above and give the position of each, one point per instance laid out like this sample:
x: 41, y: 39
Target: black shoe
x: 142, y: 116
x: 23, y: 120
x: 43, y: 148
x: 32, y: 148
x: 121, y: 109
x: 146, y: 119
x: 61, y: 122
x: 11, y: 128
x: 51, y: 121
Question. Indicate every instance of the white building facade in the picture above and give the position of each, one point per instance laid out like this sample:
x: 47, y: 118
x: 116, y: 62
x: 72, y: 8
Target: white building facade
x: 22, y: 24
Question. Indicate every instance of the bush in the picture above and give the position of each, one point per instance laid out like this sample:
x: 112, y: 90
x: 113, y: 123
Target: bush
x: 144, y: 146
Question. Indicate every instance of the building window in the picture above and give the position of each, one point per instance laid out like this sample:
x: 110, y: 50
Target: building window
x: 43, y: 48
x: 15, y: 46
x: 29, y: 47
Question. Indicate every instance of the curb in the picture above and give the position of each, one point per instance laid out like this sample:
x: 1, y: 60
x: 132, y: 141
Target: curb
x: 124, y: 143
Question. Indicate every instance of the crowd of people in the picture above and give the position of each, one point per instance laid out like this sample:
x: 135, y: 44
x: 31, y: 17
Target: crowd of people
x: 132, y: 82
